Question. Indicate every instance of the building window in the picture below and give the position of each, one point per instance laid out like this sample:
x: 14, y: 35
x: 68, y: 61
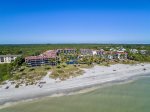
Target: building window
x: 2, y: 59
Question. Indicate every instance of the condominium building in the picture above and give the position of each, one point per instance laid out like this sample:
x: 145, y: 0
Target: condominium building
x: 86, y: 52
x: 66, y: 51
x: 47, y: 58
x: 8, y: 58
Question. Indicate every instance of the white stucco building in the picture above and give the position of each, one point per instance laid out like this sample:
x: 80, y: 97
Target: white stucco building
x: 94, y: 52
x: 8, y: 58
x: 134, y: 51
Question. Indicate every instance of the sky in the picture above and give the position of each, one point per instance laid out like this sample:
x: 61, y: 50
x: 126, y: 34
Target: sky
x: 74, y: 21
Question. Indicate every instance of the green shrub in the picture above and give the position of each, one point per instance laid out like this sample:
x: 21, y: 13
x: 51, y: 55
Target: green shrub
x: 17, y: 86
x: 47, y: 68
x: 22, y: 69
x: 31, y: 69
x: 5, y: 71
x: 58, y: 66
x: 30, y: 77
x: 31, y: 83
x: 64, y: 65
x: 23, y: 73
x: 75, y: 65
x: 60, y: 71
x: 16, y: 77
x: 5, y: 77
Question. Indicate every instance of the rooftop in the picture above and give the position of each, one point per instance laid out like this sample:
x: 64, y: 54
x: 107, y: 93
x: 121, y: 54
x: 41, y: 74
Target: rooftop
x: 9, y: 55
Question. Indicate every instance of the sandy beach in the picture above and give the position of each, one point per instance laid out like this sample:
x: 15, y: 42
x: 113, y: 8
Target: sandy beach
x: 98, y: 75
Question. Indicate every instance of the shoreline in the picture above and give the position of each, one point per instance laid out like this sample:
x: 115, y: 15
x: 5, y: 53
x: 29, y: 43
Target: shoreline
x: 74, y: 92
x: 90, y: 79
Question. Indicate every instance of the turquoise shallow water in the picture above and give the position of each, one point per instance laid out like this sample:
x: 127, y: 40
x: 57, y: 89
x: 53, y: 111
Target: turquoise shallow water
x: 131, y: 97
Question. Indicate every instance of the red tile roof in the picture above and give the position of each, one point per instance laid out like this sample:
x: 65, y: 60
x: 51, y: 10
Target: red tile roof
x: 50, y: 54
x: 33, y: 57
x: 47, y: 54
x: 121, y: 52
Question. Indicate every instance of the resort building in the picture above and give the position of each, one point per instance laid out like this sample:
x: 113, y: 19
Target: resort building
x: 100, y: 52
x: 59, y: 51
x: 134, y: 51
x: 112, y: 49
x: 71, y: 56
x: 122, y: 49
x: 94, y: 52
x: 143, y: 52
x: 66, y: 51
x: 8, y: 58
x: 108, y: 55
x: 121, y: 55
x: 86, y: 52
x: 47, y: 58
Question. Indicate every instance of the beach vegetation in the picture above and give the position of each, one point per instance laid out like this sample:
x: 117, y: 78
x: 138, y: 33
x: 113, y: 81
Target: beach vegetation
x: 66, y: 73
x: 47, y: 68
x: 139, y: 57
x: 5, y: 72
x: 17, y: 86
x: 58, y: 66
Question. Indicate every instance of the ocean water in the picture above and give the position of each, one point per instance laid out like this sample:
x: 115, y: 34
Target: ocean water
x: 130, y: 97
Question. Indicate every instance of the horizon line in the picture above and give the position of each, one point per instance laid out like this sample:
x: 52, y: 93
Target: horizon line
x: 73, y: 43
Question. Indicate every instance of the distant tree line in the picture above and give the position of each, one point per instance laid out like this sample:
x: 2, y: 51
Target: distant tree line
x: 36, y: 49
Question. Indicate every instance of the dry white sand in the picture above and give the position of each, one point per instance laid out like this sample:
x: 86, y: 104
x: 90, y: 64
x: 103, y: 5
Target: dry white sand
x: 93, y: 76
